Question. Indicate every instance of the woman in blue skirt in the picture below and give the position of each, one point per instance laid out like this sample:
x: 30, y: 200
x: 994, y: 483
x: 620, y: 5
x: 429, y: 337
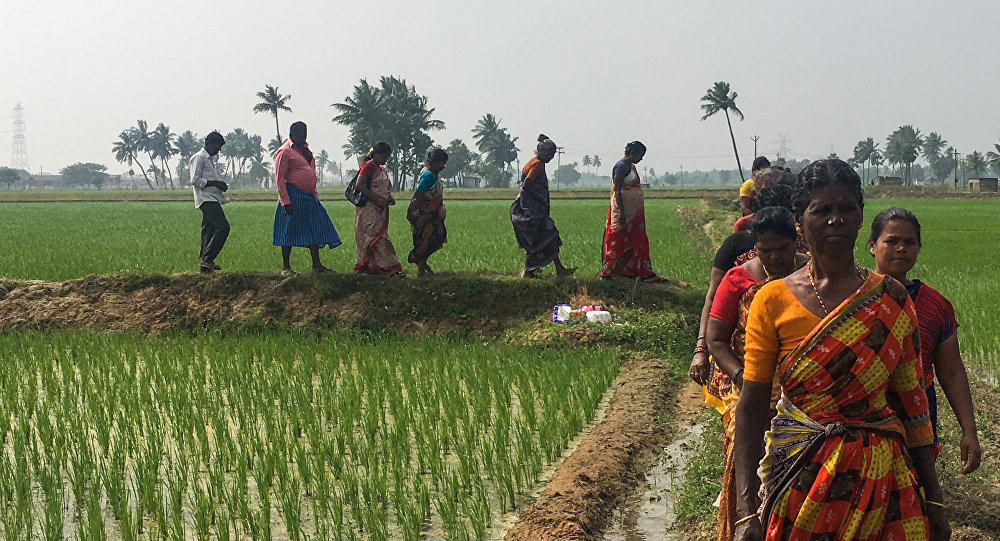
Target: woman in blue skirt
x: 300, y: 219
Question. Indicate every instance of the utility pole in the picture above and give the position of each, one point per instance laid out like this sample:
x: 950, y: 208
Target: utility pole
x: 680, y: 176
x: 755, y: 138
x: 956, y: 168
x: 559, y: 153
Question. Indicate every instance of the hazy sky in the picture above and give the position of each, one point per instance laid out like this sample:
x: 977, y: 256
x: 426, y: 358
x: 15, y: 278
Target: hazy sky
x: 592, y: 75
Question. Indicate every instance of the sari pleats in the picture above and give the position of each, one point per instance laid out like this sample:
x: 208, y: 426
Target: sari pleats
x: 836, y: 465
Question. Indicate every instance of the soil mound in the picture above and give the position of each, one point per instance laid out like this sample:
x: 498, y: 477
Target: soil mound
x: 484, y: 305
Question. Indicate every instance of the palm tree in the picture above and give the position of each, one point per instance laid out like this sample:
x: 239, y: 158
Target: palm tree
x: 876, y: 158
x: 162, y: 141
x: 993, y: 158
x: 596, y: 162
x: 493, y: 141
x: 931, y: 149
x: 186, y: 145
x: 586, y: 161
x: 362, y: 112
x: 485, y: 129
x: 903, y: 147
x: 126, y: 151
x: 721, y: 98
x: 393, y: 112
x: 975, y: 161
x: 335, y: 170
x: 273, y: 145
x: 862, y: 152
x: 144, y: 143
x: 271, y: 102
x: 322, y: 158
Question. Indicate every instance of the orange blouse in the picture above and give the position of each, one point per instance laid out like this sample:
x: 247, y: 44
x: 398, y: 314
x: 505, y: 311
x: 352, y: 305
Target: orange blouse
x: 776, y: 323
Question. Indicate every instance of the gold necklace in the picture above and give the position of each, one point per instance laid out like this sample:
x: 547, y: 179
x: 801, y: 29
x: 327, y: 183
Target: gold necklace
x: 767, y: 275
x: 812, y: 282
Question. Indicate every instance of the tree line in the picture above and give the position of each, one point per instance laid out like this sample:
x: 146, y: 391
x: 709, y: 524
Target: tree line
x: 906, y: 144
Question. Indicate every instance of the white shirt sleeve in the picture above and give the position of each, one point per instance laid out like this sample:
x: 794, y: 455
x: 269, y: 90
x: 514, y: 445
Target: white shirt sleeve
x: 197, y: 180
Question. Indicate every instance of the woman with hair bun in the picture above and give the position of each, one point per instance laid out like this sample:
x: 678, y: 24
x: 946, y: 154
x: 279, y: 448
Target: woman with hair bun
x: 375, y: 253
x: 626, y: 246
x: 529, y: 214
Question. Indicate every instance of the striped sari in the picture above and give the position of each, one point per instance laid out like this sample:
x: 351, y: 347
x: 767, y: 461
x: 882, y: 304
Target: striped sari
x: 836, y: 465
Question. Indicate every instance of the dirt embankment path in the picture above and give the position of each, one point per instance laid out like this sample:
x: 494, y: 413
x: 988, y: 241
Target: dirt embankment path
x: 482, y: 305
x: 587, y: 487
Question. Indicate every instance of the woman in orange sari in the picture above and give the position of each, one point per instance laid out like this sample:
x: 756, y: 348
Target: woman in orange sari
x: 848, y: 456
x: 626, y: 246
x: 534, y: 228
x: 375, y: 253
x: 775, y: 240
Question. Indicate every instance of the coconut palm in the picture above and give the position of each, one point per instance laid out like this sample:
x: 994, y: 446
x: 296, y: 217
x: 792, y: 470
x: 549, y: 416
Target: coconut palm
x: 186, y: 145
x: 596, y: 162
x: 362, y: 111
x: 721, y: 98
x: 876, y: 158
x: 335, y: 169
x: 144, y: 143
x: 586, y: 161
x: 902, y: 148
x: 322, y: 158
x: 862, y: 152
x: 162, y: 142
x: 493, y: 141
x: 126, y: 151
x: 393, y: 112
x: 975, y: 161
x: 273, y: 101
x: 993, y: 158
x: 932, y: 146
x: 274, y: 144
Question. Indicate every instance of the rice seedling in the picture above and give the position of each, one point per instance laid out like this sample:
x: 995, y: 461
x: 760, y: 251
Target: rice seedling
x: 344, y: 437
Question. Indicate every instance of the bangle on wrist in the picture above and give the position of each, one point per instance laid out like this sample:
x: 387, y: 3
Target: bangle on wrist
x: 700, y: 349
x: 737, y: 373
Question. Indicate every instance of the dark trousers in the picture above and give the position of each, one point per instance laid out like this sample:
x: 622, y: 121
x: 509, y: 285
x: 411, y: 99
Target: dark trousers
x: 214, y: 230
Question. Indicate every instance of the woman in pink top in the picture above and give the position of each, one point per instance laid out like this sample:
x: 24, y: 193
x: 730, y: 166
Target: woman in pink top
x: 299, y: 219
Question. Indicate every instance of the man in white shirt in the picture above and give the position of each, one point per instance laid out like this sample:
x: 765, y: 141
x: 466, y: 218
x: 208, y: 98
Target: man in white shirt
x: 208, y: 196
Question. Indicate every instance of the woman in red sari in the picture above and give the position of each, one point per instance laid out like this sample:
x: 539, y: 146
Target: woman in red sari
x: 848, y: 456
x: 375, y: 253
x: 626, y: 246
x: 775, y: 239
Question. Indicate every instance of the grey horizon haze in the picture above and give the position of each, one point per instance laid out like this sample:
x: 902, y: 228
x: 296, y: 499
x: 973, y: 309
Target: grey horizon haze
x: 591, y: 75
